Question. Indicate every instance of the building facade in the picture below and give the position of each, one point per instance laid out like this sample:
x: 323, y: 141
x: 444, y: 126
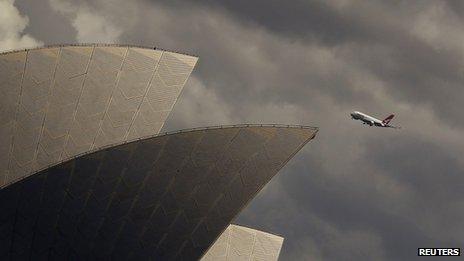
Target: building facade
x: 86, y: 174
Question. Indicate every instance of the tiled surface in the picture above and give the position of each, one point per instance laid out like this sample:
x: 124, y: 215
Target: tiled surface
x: 59, y: 102
x: 161, y: 198
x: 242, y: 243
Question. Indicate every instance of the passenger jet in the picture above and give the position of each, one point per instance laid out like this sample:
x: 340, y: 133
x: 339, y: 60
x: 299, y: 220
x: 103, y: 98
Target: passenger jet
x: 367, y: 119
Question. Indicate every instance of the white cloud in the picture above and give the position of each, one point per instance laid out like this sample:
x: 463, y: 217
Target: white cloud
x: 94, y: 24
x: 12, y: 25
x: 94, y: 28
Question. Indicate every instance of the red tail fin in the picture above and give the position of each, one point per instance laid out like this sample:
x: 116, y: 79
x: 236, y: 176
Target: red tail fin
x: 388, y: 119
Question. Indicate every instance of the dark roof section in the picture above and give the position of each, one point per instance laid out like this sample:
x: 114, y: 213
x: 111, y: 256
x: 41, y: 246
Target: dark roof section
x: 165, y: 197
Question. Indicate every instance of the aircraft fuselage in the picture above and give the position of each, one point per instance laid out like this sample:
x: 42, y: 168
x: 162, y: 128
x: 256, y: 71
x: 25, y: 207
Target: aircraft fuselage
x: 367, y: 119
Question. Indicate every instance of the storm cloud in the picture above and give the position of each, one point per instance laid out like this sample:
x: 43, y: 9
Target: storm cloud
x: 354, y: 192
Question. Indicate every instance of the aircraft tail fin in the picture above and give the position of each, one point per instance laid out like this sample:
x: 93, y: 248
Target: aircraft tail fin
x: 388, y: 119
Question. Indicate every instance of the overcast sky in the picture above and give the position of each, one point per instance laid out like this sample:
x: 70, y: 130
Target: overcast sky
x: 353, y: 193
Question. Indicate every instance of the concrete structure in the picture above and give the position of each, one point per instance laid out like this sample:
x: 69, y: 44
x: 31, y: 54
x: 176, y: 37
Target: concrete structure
x: 85, y: 174
x: 166, y: 197
x: 242, y: 243
x: 58, y: 102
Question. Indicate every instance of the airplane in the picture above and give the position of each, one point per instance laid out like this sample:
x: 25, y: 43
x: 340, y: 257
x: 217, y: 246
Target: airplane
x: 371, y: 121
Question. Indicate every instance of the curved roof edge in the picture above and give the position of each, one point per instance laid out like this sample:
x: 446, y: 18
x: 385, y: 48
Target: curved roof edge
x: 94, y: 44
x: 315, y: 129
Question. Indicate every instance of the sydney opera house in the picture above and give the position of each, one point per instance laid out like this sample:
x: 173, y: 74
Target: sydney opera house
x: 85, y: 173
